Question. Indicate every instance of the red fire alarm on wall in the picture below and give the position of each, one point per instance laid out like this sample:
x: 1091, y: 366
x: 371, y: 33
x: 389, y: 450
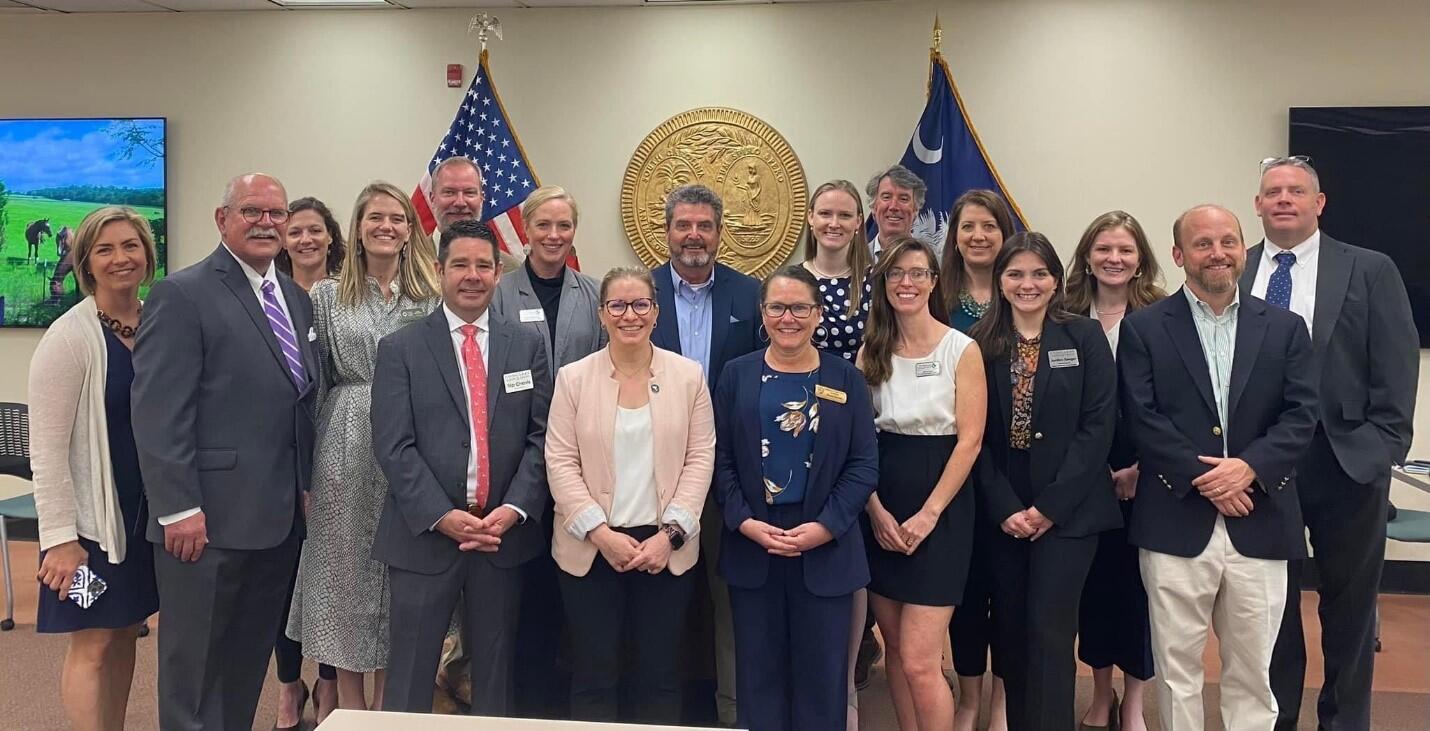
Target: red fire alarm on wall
x: 454, y: 75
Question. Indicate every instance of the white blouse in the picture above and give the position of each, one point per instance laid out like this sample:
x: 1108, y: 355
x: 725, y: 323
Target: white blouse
x: 918, y: 397
x: 636, y: 501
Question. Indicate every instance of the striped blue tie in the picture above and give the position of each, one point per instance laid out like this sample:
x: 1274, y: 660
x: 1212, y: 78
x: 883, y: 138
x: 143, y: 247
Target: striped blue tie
x: 1278, y: 290
x: 284, y: 330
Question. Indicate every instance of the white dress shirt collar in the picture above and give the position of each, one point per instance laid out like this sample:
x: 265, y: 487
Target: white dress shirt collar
x: 255, y: 279
x: 455, y: 323
x: 1305, y: 251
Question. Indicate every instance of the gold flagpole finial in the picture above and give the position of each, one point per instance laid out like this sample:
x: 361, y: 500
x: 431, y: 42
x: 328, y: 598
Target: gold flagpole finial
x: 484, y: 24
x: 937, y: 46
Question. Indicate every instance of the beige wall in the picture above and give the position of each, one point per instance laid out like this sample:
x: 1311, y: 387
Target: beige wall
x: 1085, y: 105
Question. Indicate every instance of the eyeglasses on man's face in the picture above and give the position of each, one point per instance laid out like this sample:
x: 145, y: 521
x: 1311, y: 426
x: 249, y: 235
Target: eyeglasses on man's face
x: 617, y: 308
x: 918, y: 275
x: 254, y: 215
x: 800, y: 310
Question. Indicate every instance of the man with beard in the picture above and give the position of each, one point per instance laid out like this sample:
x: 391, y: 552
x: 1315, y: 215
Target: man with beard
x: 1216, y: 517
x: 1363, y: 334
x: 896, y: 196
x: 709, y: 313
x: 225, y: 379
x: 456, y: 195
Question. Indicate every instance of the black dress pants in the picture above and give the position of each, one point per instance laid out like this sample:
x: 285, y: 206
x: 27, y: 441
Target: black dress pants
x: 1036, y: 588
x: 607, y: 611
x: 1347, y: 526
x: 1113, y: 625
x: 970, y: 631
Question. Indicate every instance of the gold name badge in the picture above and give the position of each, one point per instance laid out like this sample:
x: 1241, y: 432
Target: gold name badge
x: 830, y: 394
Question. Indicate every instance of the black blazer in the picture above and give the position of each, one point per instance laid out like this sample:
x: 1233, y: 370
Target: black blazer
x: 422, y: 439
x: 734, y: 317
x: 1074, y: 415
x: 844, y: 471
x: 218, y: 422
x: 1171, y: 412
x: 1367, y: 356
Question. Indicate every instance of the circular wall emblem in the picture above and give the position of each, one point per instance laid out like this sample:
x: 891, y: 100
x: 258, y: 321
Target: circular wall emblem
x: 745, y: 161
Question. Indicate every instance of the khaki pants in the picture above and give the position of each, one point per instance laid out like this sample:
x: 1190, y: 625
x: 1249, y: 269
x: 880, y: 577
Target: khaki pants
x: 1242, y: 599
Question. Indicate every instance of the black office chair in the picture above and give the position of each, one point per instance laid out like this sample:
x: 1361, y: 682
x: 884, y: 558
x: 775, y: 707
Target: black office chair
x: 14, y: 461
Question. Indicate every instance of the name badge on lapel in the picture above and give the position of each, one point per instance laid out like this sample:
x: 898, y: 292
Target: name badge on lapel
x: 409, y: 315
x: 830, y: 394
x: 518, y: 381
x: 1063, y: 358
x: 535, y: 314
x: 927, y: 368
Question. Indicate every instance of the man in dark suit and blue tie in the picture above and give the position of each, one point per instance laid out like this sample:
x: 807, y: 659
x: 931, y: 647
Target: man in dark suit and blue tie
x: 224, y: 383
x: 459, y: 404
x: 1218, y: 394
x: 708, y: 313
x: 1366, y: 368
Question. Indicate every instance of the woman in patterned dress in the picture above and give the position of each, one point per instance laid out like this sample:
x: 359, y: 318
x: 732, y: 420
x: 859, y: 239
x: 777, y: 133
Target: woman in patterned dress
x: 340, y: 605
x: 837, y: 254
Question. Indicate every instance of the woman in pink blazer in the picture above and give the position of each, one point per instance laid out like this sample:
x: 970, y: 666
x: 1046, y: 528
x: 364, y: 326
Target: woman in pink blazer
x: 630, y: 448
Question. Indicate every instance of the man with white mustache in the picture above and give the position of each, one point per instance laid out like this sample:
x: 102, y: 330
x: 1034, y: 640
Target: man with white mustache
x: 1218, y: 392
x: 225, y: 379
x: 897, y: 195
x: 710, y: 314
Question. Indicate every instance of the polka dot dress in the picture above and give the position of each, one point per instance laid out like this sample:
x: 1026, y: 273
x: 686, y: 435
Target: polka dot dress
x: 841, y: 331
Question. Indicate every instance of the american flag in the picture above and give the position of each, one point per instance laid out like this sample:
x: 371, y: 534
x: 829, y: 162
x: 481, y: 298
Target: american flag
x: 482, y: 132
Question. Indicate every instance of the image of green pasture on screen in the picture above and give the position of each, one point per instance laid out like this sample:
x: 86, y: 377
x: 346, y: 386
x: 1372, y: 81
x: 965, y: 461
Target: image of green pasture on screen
x: 52, y: 174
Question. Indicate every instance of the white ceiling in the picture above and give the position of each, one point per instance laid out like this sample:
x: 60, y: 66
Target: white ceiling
x: 191, y: 6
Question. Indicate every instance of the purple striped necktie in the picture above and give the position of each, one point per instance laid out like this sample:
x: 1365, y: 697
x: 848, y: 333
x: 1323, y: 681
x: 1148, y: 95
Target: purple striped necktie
x: 287, y: 341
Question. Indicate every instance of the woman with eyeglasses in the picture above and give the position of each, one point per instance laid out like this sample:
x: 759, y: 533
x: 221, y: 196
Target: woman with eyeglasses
x: 981, y: 223
x: 630, y: 448
x: 340, y: 604
x: 929, y: 400
x: 796, y: 459
x: 1043, y: 479
x: 1113, y: 272
x: 313, y: 250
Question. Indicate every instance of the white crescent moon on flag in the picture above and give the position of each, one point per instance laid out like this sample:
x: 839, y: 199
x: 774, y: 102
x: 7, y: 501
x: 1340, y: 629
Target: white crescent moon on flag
x: 924, y: 154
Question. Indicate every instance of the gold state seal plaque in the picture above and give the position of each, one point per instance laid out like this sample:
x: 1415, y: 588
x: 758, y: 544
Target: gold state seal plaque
x: 745, y: 161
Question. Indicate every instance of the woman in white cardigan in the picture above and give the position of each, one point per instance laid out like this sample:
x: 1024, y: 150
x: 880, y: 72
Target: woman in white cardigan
x: 88, y: 490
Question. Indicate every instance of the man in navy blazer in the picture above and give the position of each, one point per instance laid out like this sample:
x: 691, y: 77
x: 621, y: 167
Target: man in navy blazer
x: 710, y: 314
x: 224, y: 384
x: 1367, y: 363
x: 1218, y: 394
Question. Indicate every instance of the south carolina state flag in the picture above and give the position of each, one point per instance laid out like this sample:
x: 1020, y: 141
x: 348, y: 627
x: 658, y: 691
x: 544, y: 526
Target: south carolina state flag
x: 945, y: 152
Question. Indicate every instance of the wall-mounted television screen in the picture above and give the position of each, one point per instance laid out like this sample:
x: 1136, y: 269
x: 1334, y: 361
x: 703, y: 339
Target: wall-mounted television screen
x: 1374, y: 165
x: 53, y: 172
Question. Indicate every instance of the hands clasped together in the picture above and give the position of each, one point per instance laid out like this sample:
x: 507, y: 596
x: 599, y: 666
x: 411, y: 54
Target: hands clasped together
x: 625, y: 553
x: 1227, y: 485
x: 787, y: 543
x: 478, y: 534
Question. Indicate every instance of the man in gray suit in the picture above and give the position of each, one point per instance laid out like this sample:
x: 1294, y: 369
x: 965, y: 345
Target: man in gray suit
x: 466, y: 487
x: 1367, y: 356
x: 224, y: 382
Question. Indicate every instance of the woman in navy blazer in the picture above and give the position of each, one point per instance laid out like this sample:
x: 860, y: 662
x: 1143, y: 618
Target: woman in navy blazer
x: 796, y: 459
x: 1043, y: 478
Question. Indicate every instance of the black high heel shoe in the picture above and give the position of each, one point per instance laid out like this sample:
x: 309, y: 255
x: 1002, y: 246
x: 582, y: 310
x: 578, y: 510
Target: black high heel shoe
x: 302, y: 703
x: 1114, y: 719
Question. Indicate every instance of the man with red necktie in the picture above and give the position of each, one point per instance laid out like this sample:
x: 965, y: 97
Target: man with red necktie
x: 466, y: 487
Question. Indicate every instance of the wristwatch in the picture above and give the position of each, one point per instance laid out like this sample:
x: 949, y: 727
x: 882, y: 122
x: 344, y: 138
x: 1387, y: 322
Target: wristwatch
x: 675, y: 534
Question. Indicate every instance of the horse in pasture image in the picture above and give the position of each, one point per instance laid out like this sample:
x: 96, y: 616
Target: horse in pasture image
x: 34, y: 234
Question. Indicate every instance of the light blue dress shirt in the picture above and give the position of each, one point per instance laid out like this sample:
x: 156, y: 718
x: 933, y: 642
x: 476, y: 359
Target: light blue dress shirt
x: 1218, y: 336
x: 693, y: 312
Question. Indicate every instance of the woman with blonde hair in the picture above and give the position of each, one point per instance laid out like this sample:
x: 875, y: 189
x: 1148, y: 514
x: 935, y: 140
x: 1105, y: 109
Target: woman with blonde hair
x: 89, y: 494
x: 1113, y: 272
x: 836, y: 253
x: 340, y: 605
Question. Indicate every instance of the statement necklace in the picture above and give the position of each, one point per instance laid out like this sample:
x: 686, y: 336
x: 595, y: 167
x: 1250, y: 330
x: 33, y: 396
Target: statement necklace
x: 973, y: 306
x: 119, y: 328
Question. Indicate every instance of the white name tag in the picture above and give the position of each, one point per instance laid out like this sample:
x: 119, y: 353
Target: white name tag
x: 519, y: 381
x: 535, y: 314
x: 1063, y: 358
x: 927, y: 368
